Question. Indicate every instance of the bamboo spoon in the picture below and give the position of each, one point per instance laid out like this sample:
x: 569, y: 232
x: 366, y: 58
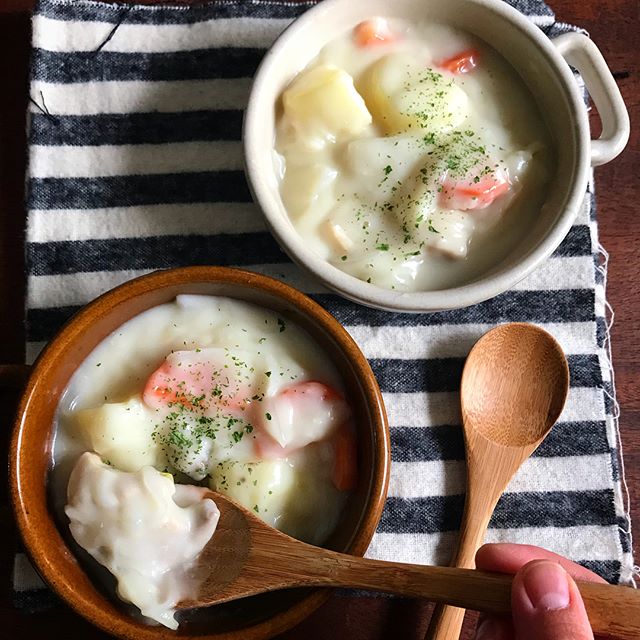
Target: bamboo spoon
x: 245, y: 557
x: 514, y: 386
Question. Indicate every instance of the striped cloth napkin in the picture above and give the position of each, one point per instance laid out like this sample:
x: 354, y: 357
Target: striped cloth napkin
x: 136, y: 165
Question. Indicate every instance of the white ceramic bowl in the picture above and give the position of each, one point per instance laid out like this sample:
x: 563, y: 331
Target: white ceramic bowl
x: 543, y: 64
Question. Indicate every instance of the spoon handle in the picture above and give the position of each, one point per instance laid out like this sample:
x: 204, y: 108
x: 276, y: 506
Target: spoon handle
x: 446, y: 621
x: 614, y: 611
x: 481, y: 499
x: 489, y: 471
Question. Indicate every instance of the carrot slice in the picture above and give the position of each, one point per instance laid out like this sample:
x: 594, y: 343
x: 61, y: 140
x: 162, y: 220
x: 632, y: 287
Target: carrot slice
x: 196, y: 379
x: 461, y: 63
x: 373, y: 32
x: 477, y: 193
x: 163, y: 389
x: 345, y: 466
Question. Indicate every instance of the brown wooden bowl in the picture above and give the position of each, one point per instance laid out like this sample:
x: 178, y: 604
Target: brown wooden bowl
x: 50, y: 546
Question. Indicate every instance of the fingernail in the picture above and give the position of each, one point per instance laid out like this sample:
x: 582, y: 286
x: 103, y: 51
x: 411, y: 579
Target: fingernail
x: 547, y: 586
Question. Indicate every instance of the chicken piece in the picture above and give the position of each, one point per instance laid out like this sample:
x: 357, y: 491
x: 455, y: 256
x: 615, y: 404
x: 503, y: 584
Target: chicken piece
x: 307, y: 187
x: 303, y: 413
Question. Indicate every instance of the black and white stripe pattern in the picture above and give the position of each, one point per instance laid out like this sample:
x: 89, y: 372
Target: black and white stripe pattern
x: 136, y: 165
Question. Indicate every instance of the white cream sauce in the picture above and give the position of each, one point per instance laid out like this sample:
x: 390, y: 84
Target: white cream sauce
x: 404, y: 173
x: 212, y: 391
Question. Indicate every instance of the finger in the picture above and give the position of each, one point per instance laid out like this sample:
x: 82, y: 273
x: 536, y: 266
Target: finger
x: 509, y: 558
x: 494, y: 628
x: 546, y: 604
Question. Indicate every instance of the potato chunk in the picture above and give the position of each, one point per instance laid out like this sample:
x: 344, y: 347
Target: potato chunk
x: 121, y: 433
x: 322, y: 104
x: 264, y: 487
x: 404, y: 96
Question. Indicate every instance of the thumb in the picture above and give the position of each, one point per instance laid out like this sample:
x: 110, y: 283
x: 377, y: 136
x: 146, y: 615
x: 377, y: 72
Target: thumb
x: 546, y: 604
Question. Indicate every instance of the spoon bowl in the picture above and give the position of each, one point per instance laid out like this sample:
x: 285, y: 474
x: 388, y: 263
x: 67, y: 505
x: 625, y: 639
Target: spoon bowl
x: 516, y: 402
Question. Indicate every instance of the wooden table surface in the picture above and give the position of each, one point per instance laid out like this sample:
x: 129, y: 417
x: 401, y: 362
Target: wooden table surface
x: 613, y: 25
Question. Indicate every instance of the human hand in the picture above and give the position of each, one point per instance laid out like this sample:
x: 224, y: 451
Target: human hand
x: 545, y: 601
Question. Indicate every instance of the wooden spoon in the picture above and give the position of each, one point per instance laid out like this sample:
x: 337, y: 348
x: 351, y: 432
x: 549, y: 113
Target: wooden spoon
x: 245, y: 557
x: 514, y: 386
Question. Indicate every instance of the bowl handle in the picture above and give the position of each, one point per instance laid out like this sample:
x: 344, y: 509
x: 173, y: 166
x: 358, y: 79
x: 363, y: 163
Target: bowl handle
x: 14, y: 376
x: 580, y: 52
